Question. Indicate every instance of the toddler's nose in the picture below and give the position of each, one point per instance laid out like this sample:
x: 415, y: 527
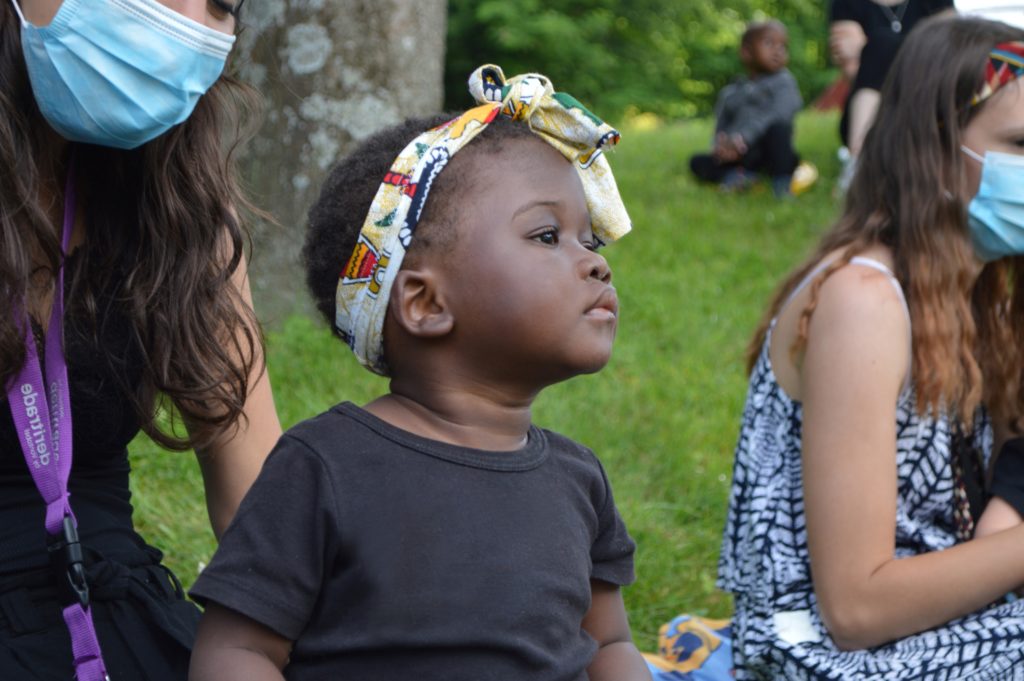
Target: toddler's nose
x: 599, y: 269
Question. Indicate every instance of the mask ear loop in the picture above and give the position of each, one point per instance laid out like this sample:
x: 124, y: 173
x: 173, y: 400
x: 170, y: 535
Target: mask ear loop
x: 972, y: 153
x: 17, y: 10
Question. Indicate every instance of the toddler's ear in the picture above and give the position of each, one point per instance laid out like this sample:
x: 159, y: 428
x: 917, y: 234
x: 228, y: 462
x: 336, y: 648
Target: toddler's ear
x: 418, y: 304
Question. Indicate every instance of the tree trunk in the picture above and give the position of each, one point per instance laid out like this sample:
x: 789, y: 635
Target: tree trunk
x: 332, y: 72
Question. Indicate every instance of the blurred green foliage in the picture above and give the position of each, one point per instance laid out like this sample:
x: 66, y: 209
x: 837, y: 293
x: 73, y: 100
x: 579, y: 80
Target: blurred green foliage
x: 668, y: 57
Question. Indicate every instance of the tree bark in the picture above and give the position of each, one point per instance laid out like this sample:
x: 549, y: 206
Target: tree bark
x: 332, y: 72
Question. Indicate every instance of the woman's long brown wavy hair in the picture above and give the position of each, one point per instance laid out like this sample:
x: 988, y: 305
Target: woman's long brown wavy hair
x: 165, y: 219
x: 967, y: 332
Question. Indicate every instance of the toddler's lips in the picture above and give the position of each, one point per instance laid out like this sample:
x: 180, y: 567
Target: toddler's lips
x: 606, y: 306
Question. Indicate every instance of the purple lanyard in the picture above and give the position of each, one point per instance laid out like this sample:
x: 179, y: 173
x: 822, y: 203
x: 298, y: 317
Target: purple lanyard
x: 42, y: 417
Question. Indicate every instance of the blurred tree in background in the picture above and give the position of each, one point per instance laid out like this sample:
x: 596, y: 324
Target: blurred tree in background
x: 668, y: 57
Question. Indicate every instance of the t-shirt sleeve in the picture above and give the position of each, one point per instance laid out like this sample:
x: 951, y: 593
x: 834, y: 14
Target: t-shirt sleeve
x: 271, y: 560
x: 611, y: 554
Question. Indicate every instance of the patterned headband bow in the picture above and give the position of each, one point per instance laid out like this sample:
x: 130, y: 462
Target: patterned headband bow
x: 365, y: 283
x: 1005, y: 64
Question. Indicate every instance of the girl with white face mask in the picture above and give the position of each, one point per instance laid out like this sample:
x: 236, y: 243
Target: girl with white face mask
x: 885, y: 377
x: 123, y: 291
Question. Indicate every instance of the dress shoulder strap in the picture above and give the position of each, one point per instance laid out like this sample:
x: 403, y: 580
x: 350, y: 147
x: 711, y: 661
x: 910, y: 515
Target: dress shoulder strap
x: 874, y: 264
x: 804, y: 282
x: 855, y: 260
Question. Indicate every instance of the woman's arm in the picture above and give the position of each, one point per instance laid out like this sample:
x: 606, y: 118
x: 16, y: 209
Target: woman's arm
x: 846, y: 39
x: 232, y: 647
x: 617, y: 659
x: 230, y: 465
x: 856, y: 359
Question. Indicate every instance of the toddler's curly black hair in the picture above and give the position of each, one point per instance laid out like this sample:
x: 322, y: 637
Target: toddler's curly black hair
x: 338, y: 214
x: 754, y: 30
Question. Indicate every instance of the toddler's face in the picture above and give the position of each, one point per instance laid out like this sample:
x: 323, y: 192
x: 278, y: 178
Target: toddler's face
x: 768, y: 51
x: 533, y: 301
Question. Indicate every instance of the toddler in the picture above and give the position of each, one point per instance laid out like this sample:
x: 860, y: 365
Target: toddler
x: 436, y: 533
x: 754, y: 120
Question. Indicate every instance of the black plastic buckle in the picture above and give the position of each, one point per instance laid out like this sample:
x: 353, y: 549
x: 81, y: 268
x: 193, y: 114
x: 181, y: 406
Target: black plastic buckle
x: 68, y: 564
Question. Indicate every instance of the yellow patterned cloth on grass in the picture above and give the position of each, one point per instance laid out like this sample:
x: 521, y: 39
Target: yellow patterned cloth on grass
x: 365, y: 283
x: 692, y: 649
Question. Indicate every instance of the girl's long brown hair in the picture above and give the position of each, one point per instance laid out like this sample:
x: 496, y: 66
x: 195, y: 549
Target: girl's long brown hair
x: 968, y: 334
x: 162, y: 217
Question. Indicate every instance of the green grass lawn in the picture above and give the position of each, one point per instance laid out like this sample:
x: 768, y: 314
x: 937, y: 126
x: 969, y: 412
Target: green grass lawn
x: 693, y: 279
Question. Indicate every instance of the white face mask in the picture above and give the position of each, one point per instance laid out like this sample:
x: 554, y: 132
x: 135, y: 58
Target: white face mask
x: 119, y: 73
x: 995, y: 216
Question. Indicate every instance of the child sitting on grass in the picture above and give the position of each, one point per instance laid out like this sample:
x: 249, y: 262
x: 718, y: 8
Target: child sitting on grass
x: 436, y: 533
x: 754, y: 120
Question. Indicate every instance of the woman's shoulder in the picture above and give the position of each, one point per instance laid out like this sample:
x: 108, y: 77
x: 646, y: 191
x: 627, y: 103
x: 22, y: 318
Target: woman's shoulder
x: 863, y: 290
x: 851, y: 309
x: 860, y: 316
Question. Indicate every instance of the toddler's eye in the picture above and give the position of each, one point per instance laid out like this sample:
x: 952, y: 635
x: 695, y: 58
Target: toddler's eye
x: 549, y: 236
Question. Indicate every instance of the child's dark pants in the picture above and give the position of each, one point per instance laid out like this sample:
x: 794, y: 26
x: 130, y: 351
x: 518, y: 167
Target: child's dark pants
x: 772, y: 153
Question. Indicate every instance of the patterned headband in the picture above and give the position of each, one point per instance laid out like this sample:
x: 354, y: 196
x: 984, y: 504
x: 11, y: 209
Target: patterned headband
x: 365, y: 283
x: 1005, y: 63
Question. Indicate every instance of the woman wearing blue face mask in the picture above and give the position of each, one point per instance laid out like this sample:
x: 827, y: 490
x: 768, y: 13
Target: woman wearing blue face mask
x: 886, y: 375
x: 123, y: 291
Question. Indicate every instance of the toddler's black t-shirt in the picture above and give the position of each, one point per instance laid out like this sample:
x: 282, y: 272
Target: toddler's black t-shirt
x: 388, y: 556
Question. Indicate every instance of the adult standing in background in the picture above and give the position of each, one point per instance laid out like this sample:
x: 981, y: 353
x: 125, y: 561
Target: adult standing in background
x: 123, y: 291
x: 863, y: 38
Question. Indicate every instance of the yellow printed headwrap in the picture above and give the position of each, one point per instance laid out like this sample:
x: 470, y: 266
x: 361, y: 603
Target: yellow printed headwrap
x: 365, y: 283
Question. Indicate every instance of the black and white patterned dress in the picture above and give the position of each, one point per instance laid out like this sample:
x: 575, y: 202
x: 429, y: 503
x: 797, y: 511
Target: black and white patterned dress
x: 777, y: 628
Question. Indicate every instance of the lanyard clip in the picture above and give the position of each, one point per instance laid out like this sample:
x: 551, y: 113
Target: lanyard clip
x: 68, y: 564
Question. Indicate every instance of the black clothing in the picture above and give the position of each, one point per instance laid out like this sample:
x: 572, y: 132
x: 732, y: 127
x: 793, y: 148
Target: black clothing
x: 104, y: 421
x: 143, y: 622
x: 1008, y: 474
x: 144, y: 626
x: 384, y: 555
x: 773, y: 154
x: 882, y: 42
x: 872, y: 17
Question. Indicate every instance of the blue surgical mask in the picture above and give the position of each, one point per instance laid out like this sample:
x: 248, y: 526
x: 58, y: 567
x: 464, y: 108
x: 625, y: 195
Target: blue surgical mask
x: 995, y: 216
x: 119, y: 73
